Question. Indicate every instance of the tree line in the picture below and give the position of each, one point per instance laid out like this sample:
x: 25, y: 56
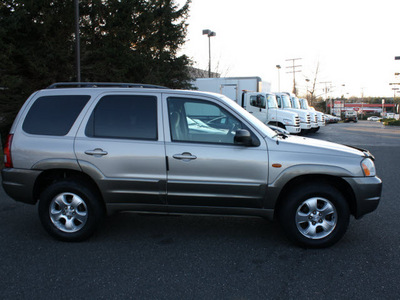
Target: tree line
x: 121, y: 41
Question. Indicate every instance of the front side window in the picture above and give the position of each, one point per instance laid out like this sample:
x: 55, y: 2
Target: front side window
x: 124, y: 117
x: 54, y: 115
x: 279, y: 101
x: 257, y: 101
x: 201, y: 121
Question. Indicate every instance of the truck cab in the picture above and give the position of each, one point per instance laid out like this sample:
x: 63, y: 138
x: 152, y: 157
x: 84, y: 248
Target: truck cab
x: 265, y: 108
x: 313, y: 116
x: 350, y: 115
x: 320, y: 116
x: 284, y: 103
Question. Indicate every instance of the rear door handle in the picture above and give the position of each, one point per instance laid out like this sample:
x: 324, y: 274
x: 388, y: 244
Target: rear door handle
x: 185, y: 156
x: 96, y: 152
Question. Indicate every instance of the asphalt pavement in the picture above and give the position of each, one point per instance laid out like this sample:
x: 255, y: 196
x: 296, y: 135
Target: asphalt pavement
x: 136, y: 256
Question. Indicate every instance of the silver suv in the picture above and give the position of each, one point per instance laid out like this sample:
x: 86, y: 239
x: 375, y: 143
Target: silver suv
x: 82, y: 150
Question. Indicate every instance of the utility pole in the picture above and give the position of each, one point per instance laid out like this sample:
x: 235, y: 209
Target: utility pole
x: 293, y: 67
x: 326, y: 95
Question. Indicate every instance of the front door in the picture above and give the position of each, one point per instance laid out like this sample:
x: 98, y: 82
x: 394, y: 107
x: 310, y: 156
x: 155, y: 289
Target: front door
x: 205, y: 166
x: 257, y: 106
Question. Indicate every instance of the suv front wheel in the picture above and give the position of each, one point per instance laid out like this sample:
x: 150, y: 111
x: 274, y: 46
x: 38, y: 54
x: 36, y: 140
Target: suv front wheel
x: 69, y: 211
x: 315, y: 215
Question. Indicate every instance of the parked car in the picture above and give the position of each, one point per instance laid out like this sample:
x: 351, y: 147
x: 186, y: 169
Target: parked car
x: 374, y: 118
x: 331, y: 119
x: 82, y: 150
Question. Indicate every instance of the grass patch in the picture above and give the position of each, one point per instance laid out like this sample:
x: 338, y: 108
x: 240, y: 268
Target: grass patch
x: 391, y: 122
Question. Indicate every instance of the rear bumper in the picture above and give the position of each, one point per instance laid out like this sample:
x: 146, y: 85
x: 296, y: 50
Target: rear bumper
x: 19, y: 183
x: 367, y: 191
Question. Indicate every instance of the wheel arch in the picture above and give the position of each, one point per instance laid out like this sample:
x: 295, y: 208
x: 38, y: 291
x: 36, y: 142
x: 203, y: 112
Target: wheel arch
x: 47, y: 177
x: 340, y: 184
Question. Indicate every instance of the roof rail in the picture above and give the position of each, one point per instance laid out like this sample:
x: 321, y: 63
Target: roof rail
x: 103, y: 84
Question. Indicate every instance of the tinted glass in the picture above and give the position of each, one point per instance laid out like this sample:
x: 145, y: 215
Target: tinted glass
x: 124, y: 117
x: 257, y: 101
x: 54, y: 115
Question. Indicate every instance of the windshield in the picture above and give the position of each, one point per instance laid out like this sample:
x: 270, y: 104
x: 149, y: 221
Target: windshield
x: 271, y: 99
x: 286, y: 101
x: 295, y: 103
x: 304, y: 104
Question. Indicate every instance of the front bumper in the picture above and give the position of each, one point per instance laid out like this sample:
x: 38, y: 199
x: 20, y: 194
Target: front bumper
x: 293, y: 129
x: 305, y: 126
x: 367, y: 192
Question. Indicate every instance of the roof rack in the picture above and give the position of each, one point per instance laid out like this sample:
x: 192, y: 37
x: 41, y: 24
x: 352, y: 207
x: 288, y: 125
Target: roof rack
x: 103, y: 84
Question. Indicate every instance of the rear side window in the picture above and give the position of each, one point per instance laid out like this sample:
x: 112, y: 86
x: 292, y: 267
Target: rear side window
x: 54, y: 115
x: 124, y: 117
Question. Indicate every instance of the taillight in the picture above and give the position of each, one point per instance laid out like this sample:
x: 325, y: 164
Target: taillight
x: 7, y: 152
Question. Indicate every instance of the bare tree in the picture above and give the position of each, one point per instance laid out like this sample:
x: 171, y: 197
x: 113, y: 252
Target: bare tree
x: 313, y: 88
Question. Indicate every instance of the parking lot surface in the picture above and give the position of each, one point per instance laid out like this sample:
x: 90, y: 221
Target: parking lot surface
x: 141, y: 256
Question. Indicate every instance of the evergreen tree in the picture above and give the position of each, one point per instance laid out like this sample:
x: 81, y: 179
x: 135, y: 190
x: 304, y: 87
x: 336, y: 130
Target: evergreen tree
x: 121, y: 41
x: 35, y: 50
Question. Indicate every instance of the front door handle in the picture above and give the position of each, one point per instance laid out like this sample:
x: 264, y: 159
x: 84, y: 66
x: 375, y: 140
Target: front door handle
x: 96, y: 152
x: 185, y: 156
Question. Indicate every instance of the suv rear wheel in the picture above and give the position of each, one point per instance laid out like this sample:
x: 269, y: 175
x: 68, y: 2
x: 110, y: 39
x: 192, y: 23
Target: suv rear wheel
x: 315, y: 215
x: 70, y: 211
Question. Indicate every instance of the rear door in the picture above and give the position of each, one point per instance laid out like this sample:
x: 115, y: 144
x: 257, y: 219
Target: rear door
x: 205, y: 166
x: 231, y: 91
x: 121, y: 145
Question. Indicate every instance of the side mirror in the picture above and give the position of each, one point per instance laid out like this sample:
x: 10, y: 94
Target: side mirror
x: 243, y: 137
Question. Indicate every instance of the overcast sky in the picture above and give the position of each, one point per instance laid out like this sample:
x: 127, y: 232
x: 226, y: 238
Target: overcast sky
x: 354, y: 41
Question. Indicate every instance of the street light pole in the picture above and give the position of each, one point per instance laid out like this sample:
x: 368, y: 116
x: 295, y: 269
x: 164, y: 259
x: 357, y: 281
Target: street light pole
x: 209, y: 33
x: 77, y: 43
x: 279, y: 78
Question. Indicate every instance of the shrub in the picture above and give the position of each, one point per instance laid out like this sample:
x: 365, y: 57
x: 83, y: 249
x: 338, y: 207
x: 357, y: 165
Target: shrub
x: 391, y: 122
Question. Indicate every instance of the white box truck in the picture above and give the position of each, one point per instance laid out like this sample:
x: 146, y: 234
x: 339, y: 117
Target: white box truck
x: 254, y: 95
x: 232, y: 87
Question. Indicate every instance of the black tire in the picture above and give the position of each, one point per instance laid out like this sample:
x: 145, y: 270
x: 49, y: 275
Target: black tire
x: 70, y: 211
x: 314, y: 215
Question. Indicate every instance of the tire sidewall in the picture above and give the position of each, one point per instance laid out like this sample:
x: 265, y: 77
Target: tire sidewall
x: 287, y: 214
x: 87, y: 195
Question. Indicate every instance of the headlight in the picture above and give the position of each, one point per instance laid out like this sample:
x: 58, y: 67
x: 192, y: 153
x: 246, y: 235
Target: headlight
x: 368, y: 167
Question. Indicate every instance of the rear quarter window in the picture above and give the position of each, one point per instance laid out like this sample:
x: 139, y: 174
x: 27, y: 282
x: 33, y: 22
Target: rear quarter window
x: 54, y: 115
